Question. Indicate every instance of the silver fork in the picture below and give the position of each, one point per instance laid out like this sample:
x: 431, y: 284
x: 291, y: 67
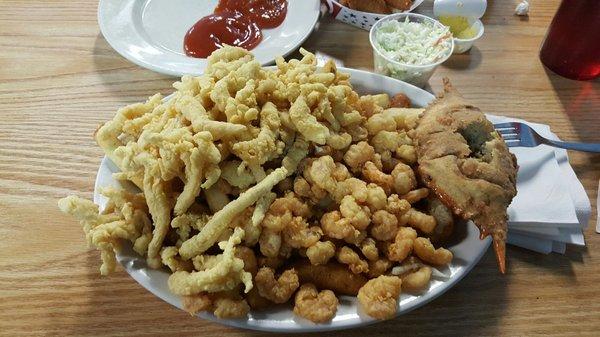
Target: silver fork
x: 519, y: 134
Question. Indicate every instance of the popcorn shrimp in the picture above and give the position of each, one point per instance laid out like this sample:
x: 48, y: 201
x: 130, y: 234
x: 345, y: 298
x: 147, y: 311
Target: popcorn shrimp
x: 402, y: 245
x: 418, y: 281
x: 416, y: 195
x: 397, y: 206
x: 380, y: 122
x: 298, y: 234
x: 407, y: 154
x: 318, y: 307
x: 419, y: 220
x: 376, y: 198
x: 196, y: 303
x: 385, y: 225
x: 404, y: 179
x: 359, y: 216
x: 276, y: 290
x: 379, y: 296
x: 369, y: 249
x: 378, y: 267
x: 426, y: 252
x: 347, y: 256
x: 335, y: 226
x: 373, y: 175
x: 231, y: 308
x: 320, y: 252
x: 358, y: 154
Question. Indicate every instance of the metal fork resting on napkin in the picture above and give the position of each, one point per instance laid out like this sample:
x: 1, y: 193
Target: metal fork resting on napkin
x: 519, y: 134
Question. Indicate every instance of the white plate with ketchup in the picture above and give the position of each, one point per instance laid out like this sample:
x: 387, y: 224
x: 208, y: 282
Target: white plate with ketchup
x: 173, y: 37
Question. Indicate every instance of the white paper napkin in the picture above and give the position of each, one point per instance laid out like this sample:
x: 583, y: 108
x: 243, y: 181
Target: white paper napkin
x: 551, y: 207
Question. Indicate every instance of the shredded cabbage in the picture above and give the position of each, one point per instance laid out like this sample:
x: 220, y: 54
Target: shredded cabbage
x: 415, y: 43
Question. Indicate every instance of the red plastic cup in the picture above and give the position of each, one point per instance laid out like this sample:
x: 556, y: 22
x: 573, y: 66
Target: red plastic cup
x: 572, y: 45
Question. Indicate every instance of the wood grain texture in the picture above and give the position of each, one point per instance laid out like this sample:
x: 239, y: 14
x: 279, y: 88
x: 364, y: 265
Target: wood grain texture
x: 59, y: 79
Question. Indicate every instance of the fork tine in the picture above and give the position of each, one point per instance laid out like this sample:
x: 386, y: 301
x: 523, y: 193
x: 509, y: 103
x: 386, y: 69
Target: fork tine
x: 513, y: 142
x: 511, y: 136
x: 506, y: 131
x: 508, y: 125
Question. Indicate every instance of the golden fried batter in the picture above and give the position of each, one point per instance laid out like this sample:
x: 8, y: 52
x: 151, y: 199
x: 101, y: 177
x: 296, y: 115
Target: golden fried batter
x: 465, y: 162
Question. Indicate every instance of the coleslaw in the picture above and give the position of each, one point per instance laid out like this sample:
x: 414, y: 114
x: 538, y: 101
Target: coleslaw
x: 414, y: 43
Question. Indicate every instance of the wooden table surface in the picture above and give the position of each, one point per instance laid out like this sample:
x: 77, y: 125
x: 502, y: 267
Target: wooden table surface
x: 59, y: 79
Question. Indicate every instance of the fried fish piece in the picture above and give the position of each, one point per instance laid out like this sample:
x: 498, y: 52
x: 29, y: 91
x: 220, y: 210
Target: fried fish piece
x: 399, y: 4
x: 372, y: 6
x: 332, y: 276
x: 466, y: 163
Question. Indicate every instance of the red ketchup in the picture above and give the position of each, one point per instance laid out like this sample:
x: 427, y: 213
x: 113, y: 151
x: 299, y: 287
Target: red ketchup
x: 235, y: 23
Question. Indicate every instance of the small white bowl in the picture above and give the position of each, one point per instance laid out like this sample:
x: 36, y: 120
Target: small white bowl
x: 463, y: 45
x: 417, y: 75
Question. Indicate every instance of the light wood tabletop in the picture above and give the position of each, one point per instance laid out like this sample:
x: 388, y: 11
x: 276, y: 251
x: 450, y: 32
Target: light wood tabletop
x: 59, y: 79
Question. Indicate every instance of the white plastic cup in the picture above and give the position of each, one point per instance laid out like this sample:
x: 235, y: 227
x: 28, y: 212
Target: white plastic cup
x: 417, y: 75
x: 471, y: 9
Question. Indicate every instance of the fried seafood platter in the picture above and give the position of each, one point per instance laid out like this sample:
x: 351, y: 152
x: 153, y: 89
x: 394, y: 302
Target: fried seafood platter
x: 276, y: 191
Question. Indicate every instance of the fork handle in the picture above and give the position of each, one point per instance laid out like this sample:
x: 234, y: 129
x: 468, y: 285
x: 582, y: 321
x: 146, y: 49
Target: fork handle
x: 586, y: 147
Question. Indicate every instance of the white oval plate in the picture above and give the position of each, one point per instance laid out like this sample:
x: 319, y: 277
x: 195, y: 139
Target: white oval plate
x: 467, y: 252
x: 150, y: 33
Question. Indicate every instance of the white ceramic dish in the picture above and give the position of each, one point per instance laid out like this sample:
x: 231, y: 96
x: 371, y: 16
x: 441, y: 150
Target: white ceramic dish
x: 150, y: 33
x: 363, y: 20
x: 467, y: 252
x: 463, y: 45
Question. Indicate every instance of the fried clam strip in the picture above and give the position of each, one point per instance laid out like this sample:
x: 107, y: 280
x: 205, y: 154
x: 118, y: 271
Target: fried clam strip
x: 120, y: 221
x: 265, y: 146
x: 262, y: 206
x: 166, y: 150
x: 225, y: 275
x: 306, y: 123
x: 237, y: 174
x: 199, y: 243
x: 201, y: 162
x: 464, y: 161
x: 123, y: 200
x: 152, y: 117
x: 158, y: 205
x: 297, y: 152
x: 108, y: 135
x: 193, y: 111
